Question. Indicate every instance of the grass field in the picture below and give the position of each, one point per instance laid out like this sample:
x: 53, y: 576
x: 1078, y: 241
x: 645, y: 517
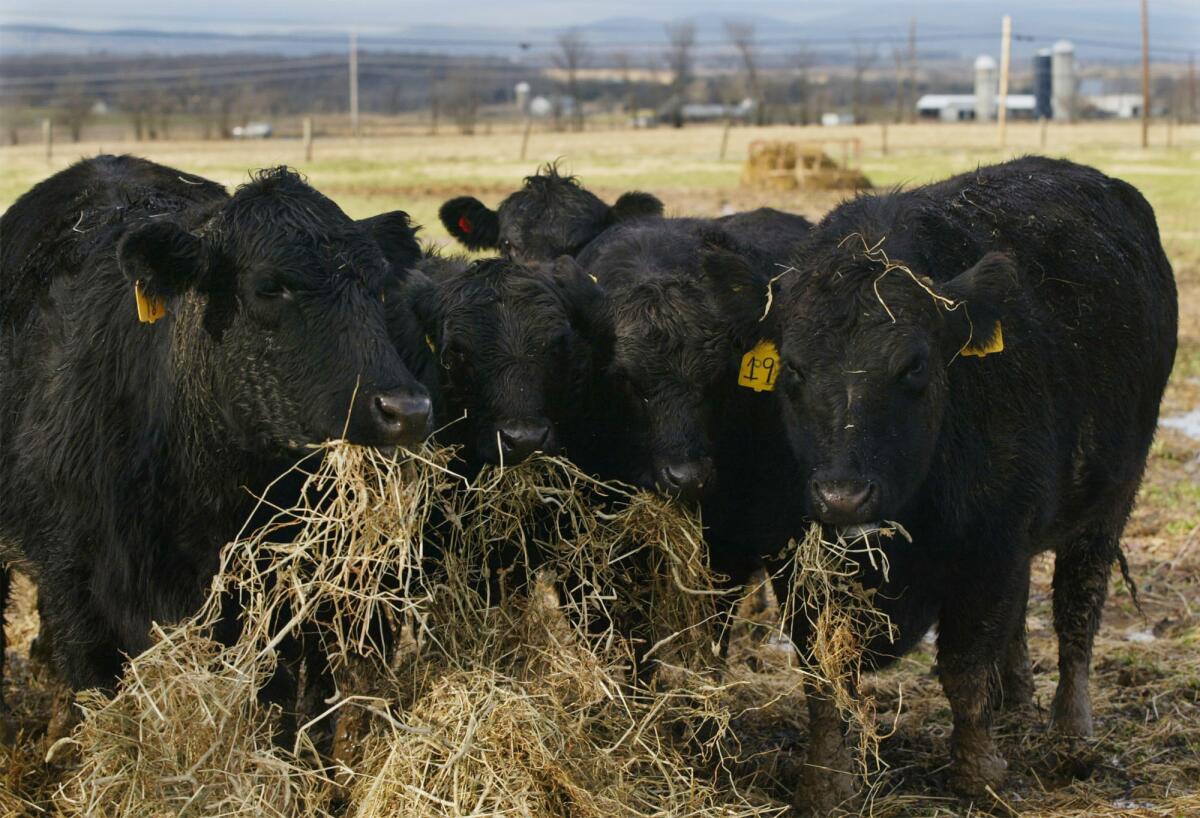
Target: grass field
x: 1145, y: 759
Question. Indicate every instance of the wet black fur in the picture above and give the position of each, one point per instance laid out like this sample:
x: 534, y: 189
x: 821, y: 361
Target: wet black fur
x: 514, y: 343
x: 129, y: 452
x: 985, y: 461
x: 551, y: 215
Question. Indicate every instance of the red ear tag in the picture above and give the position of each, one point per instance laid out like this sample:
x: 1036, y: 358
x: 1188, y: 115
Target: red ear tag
x: 464, y: 224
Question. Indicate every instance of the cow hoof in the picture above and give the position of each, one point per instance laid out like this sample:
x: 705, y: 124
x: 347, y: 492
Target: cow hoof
x: 1071, y: 716
x: 824, y: 791
x: 972, y: 775
x: 64, y: 715
x: 8, y: 727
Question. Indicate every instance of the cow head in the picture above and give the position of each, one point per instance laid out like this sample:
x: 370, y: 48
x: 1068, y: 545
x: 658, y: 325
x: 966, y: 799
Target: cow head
x: 552, y: 215
x: 868, y: 349
x: 289, y: 293
x: 678, y: 335
x: 514, y: 345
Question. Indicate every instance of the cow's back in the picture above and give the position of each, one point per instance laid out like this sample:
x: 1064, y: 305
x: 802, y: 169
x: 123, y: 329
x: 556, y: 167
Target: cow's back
x: 55, y: 227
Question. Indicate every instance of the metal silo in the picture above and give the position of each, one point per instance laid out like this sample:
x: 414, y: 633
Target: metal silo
x: 1062, y: 80
x: 1041, y: 85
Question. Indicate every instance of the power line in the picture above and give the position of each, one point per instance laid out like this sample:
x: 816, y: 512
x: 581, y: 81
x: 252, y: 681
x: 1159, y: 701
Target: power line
x: 336, y: 38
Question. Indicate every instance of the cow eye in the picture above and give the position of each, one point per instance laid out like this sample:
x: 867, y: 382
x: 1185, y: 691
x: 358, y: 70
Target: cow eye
x: 794, y: 372
x: 272, y: 290
x: 454, y: 356
x: 916, y: 373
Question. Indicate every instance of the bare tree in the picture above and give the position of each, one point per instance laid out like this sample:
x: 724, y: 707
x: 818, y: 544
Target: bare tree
x: 864, y: 58
x: 10, y: 116
x: 572, y: 52
x: 742, y: 37
x: 624, y: 64
x: 462, y: 99
x: 74, y: 109
x: 682, y: 38
x: 802, y: 61
x: 901, y: 60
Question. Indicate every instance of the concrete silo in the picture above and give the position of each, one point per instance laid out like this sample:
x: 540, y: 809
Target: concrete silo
x: 1062, y: 80
x: 985, y: 88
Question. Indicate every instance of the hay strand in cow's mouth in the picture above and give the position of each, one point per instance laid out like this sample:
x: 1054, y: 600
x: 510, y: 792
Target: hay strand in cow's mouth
x: 825, y: 569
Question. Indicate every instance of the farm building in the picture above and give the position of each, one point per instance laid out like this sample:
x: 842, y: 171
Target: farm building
x: 962, y: 107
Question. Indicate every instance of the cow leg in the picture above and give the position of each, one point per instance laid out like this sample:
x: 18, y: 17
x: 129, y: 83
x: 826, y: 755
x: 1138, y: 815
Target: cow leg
x: 975, y: 626
x: 829, y: 780
x: 1081, y: 571
x: 1014, y: 687
x: 5, y: 586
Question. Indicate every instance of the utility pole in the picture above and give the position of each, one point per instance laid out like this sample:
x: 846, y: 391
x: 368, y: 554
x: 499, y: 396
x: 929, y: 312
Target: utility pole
x: 912, y: 68
x: 1145, y: 76
x: 1005, y: 49
x: 353, y: 82
x: 1192, y: 86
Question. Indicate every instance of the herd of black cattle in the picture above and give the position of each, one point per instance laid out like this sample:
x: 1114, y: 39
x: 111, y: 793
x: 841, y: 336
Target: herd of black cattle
x: 980, y: 360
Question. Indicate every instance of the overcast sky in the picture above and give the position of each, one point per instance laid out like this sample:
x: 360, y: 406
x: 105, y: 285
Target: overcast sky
x: 518, y: 13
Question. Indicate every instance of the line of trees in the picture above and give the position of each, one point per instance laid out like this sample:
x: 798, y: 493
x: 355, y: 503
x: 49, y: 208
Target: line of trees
x: 210, y: 94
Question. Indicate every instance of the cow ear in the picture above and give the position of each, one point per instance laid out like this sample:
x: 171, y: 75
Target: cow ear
x: 162, y: 258
x: 634, y: 205
x: 396, y: 236
x: 422, y: 295
x: 581, y: 291
x: 979, y: 296
x: 471, y: 222
x: 739, y: 290
x: 587, y: 303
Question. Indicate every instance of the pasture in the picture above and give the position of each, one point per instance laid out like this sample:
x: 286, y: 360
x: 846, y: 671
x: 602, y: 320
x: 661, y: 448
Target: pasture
x: 1145, y: 759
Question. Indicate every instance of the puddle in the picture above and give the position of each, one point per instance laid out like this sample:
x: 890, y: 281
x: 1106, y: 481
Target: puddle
x: 1189, y: 424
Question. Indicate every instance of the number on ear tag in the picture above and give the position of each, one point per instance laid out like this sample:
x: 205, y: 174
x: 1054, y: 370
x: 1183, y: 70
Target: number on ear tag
x: 994, y: 344
x: 149, y: 309
x: 760, y: 367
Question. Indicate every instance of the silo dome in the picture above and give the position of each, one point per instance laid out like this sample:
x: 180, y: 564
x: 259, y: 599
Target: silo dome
x: 985, y: 63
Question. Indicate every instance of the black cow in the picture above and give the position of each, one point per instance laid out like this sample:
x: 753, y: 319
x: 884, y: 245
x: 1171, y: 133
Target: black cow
x: 518, y: 353
x: 981, y: 360
x: 683, y: 299
x: 130, y: 452
x: 550, y: 216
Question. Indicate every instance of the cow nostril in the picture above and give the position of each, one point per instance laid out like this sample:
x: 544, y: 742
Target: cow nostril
x: 519, y: 440
x: 403, y: 416
x: 687, y: 480
x: 845, y: 498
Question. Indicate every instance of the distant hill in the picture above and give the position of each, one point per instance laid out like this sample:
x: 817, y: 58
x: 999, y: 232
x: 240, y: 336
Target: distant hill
x: 1107, y: 32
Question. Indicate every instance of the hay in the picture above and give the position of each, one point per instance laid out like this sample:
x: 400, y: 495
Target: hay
x: 786, y: 166
x: 489, y: 645
x: 826, y: 588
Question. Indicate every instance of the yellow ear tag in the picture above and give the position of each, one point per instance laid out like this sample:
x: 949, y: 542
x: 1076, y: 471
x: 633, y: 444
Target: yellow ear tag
x: 760, y: 367
x: 429, y: 343
x: 994, y: 345
x: 149, y: 309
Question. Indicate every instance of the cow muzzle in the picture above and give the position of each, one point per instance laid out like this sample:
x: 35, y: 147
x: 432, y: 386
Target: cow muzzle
x: 840, y: 501
x: 401, y: 417
x: 520, y: 439
x: 686, y: 480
